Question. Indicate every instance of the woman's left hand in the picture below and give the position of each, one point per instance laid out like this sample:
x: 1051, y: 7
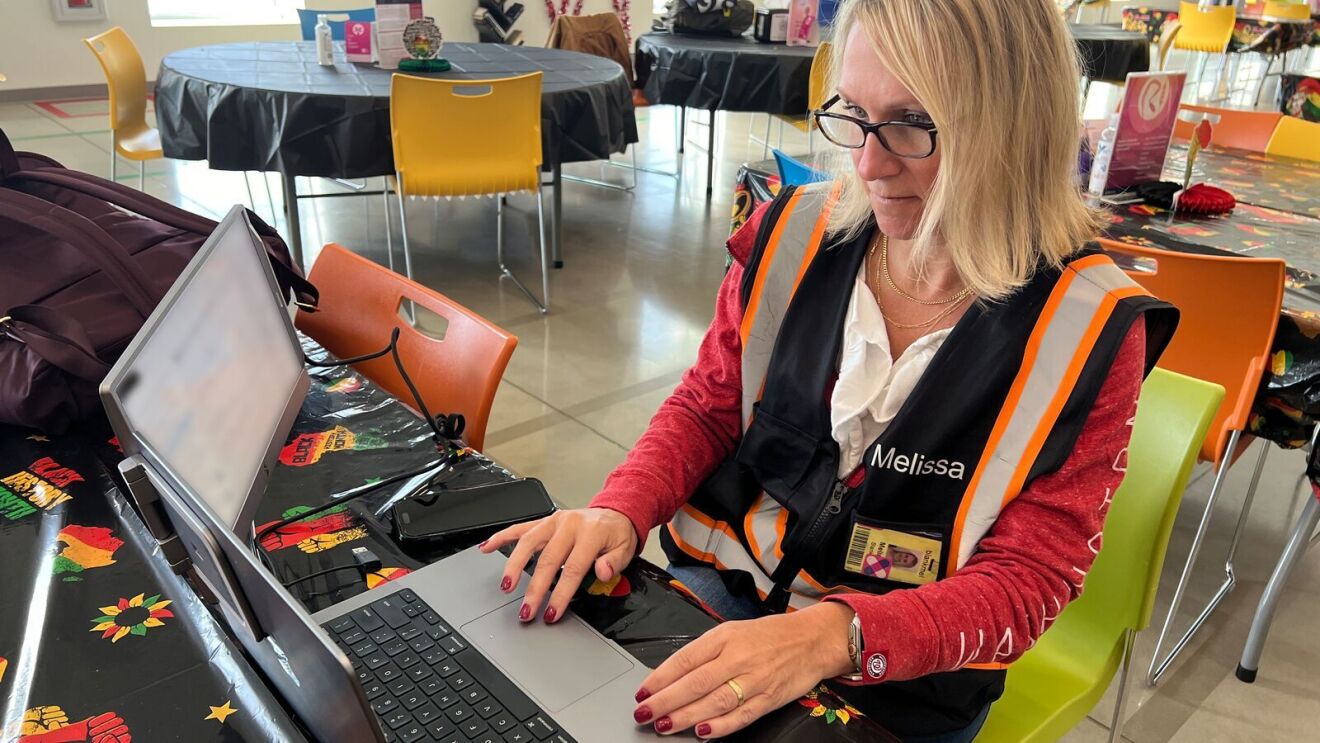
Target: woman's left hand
x: 774, y: 660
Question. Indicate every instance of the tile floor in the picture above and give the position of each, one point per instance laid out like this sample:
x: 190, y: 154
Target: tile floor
x: 629, y: 309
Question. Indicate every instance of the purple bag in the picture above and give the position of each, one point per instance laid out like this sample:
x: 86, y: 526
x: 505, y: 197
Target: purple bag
x: 83, y: 262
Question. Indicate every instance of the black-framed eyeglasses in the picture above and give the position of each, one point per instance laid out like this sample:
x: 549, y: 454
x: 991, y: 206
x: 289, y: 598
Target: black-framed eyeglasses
x: 910, y: 139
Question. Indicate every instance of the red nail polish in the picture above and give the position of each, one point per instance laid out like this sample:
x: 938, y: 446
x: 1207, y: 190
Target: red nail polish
x: 550, y: 615
x: 525, y: 612
x: 482, y: 546
x: 703, y: 730
x: 641, y: 715
x: 506, y: 584
x: 641, y: 695
x: 663, y: 725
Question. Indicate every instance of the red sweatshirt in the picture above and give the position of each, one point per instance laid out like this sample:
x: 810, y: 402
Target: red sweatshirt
x: 1025, y: 570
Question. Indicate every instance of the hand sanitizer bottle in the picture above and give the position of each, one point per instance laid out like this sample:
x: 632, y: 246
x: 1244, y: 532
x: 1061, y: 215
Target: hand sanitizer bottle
x: 325, y: 48
x: 1104, y: 151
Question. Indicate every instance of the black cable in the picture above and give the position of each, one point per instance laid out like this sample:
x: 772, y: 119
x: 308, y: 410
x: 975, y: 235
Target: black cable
x: 351, y: 496
x: 452, y: 422
x: 394, y: 336
x: 320, y: 573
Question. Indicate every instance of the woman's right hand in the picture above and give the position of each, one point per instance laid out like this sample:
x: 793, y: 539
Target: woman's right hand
x: 576, y: 540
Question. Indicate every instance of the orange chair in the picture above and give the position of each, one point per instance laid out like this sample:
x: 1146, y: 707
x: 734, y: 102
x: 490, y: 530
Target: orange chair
x: 458, y: 372
x: 1230, y: 309
x: 1236, y: 128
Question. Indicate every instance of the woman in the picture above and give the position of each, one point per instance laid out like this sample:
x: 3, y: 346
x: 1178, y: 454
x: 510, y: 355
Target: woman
x: 893, y: 456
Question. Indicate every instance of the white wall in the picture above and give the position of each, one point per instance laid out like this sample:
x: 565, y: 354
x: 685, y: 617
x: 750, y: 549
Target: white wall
x: 37, y: 52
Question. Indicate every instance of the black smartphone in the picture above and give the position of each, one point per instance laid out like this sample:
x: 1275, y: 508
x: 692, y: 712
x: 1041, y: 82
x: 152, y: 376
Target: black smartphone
x: 441, y: 514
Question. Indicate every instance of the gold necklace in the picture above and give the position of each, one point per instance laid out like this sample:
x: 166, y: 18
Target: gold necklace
x: 953, y: 303
x: 884, y: 267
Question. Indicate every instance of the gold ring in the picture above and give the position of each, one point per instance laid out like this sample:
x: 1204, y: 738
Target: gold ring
x: 736, y: 690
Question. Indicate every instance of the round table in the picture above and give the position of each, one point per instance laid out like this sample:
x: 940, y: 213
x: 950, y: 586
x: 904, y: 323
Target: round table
x: 269, y: 106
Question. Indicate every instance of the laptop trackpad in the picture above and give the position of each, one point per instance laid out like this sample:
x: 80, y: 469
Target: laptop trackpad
x: 557, y: 664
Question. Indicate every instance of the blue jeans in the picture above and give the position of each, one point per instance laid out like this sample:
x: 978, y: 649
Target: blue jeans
x: 707, y: 585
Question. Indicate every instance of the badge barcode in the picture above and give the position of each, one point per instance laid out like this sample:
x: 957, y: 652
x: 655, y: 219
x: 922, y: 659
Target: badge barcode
x: 857, y: 549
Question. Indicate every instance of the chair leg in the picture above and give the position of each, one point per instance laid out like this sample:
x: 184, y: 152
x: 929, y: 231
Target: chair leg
x: 1116, y: 725
x: 114, y: 156
x: 247, y: 183
x: 403, y: 227
x: 545, y: 263
x: 389, y: 228
x: 1269, y: 601
x: 499, y: 230
x: 765, y: 143
x: 1260, y: 87
x: 1200, y: 72
x: 1159, y: 665
x: 499, y: 253
x: 142, y: 176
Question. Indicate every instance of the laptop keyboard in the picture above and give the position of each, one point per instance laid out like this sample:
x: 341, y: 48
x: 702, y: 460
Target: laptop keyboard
x: 426, y: 683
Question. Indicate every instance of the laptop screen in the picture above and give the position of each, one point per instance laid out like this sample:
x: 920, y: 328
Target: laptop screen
x: 213, y: 372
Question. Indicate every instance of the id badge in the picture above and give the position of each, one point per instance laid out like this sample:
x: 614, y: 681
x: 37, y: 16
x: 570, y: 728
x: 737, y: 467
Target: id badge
x: 894, y: 555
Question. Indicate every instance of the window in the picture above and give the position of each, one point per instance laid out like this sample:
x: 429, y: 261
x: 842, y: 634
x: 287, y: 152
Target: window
x: 226, y: 13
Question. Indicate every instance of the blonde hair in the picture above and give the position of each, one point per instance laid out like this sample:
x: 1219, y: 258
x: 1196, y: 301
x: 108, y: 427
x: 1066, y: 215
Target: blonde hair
x: 999, y: 79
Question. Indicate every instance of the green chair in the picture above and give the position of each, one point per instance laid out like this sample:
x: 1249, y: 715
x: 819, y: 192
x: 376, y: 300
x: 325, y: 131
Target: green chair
x: 1054, y: 685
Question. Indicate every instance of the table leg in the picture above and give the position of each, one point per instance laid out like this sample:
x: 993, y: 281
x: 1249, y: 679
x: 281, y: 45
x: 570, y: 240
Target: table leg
x: 291, y: 214
x: 710, y: 158
x: 559, y: 216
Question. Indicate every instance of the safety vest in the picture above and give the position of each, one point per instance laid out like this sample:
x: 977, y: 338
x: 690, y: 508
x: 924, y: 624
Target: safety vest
x: 1001, y: 403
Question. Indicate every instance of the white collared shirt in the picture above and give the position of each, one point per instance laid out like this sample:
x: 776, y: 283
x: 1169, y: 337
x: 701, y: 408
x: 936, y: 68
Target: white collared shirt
x: 872, y: 386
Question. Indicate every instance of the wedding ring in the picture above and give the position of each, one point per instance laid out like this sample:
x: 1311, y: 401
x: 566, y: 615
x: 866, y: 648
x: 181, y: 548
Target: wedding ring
x: 737, y: 690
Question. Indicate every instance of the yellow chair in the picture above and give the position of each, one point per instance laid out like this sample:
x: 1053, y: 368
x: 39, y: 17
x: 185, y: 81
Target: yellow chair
x: 1295, y: 138
x: 469, y: 138
x: 1207, y: 31
x: 1292, y: 11
x: 130, y: 135
x: 815, y: 98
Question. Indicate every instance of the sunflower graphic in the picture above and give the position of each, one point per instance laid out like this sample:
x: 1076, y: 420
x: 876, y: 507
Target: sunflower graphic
x: 132, y: 617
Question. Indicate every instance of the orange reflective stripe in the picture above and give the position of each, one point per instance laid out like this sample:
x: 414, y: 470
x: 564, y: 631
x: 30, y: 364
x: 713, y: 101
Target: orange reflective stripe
x: 988, y: 666
x: 1069, y: 383
x: 750, y: 531
x: 1010, y: 404
x: 781, y: 527
x: 817, y: 235
x: 763, y: 269
x: 1061, y: 394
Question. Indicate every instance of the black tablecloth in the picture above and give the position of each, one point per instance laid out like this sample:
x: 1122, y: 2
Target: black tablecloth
x: 99, y: 641
x: 740, y: 74
x: 1109, y: 53
x: 725, y: 74
x: 78, y: 570
x: 270, y: 106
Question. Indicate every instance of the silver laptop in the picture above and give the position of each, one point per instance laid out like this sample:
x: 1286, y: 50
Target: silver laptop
x: 201, y: 401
